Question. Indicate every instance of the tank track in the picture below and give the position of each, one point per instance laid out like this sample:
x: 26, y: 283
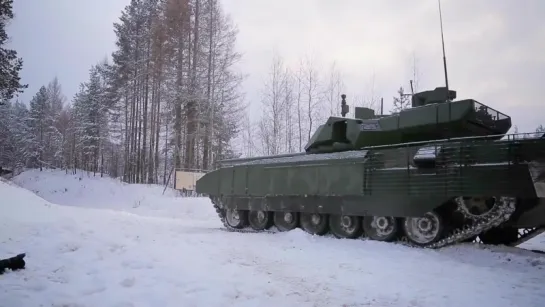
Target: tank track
x: 498, y: 214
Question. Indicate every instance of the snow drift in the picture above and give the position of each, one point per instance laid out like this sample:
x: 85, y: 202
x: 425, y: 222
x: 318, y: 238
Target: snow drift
x: 87, y: 190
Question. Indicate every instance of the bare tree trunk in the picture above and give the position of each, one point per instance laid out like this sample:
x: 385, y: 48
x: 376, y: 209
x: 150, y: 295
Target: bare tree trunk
x: 145, y: 108
x: 157, y: 131
x: 183, y: 26
x: 191, y: 111
x: 208, y: 127
x: 152, y: 140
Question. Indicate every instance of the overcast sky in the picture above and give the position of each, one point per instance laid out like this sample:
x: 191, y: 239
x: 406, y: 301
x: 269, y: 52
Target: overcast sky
x: 495, y: 48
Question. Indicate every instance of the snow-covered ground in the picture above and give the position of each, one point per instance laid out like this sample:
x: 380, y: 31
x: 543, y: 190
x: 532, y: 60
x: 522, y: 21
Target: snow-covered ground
x: 97, y: 242
x: 92, y: 191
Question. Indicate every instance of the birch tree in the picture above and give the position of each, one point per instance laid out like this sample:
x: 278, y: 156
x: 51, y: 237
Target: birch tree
x: 333, y: 90
x: 311, y: 90
x: 276, y: 97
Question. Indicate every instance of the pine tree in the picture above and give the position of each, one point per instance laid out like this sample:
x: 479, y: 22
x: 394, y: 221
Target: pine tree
x: 78, y: 125
x: 21, y: 137
x: 39, y: 126
x: 5, y: 136
x: 400, y: 102
x: 10, y: 64
x: 56, y: 138
x: 14, y: 135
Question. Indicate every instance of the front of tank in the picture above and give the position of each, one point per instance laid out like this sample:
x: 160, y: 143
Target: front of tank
x: 208, y: 184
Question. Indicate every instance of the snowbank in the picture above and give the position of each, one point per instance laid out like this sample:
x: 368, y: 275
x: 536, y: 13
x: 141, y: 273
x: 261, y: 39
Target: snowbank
x: 86, y: 190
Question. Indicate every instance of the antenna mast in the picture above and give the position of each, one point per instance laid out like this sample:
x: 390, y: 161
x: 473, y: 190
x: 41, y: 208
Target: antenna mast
x: 443, y: 43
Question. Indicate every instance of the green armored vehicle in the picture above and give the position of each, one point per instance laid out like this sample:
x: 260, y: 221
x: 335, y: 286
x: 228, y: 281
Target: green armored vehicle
x: 438, y: 173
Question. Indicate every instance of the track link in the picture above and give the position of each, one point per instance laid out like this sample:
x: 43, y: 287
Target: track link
x: 500, y: 213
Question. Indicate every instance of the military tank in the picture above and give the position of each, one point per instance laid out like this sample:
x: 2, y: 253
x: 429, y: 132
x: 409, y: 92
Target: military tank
x: 440, y: 172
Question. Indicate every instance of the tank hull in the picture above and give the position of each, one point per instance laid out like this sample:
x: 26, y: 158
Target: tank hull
x: 402, y: 182
x: 370, y: 177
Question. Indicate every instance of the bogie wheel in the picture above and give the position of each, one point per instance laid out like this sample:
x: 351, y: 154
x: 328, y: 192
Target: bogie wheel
x: 260, y: 220
x: 314, y: 223
x: 236, y: 218
x: 424, y: 230
x: 380, y: 228
x: 345, y: 226
x: 286, y: 221
x: 500, y: 236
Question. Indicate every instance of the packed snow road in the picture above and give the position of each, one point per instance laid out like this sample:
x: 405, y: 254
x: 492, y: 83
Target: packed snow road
x: 96, y: 242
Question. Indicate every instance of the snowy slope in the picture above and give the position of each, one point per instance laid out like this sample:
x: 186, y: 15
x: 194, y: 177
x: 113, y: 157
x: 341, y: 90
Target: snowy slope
x: 83, y: 256
x: 86, y: 190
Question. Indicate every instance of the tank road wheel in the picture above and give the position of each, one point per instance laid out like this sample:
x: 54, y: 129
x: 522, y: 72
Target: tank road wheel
x: 476, y: 206
x: 345, y: 226
x: 236, y: 218
x: 286, y: 221
x: 380, y: 228
x: 314, y: 223
x: 260, y: 220
x: 424, y: 230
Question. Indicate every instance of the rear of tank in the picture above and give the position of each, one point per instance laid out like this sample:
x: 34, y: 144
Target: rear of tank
x: 532, y: 153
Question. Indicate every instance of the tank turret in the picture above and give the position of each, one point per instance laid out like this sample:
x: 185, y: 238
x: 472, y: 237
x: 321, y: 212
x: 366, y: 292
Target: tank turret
x: 438, y: 95
x: 433, y: 115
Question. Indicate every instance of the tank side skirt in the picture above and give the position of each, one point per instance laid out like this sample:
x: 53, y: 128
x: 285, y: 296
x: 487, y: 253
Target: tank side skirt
x: 397, y: 182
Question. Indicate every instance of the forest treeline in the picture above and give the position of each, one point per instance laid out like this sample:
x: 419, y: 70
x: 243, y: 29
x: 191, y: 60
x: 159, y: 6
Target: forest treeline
x: 168, y: 97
